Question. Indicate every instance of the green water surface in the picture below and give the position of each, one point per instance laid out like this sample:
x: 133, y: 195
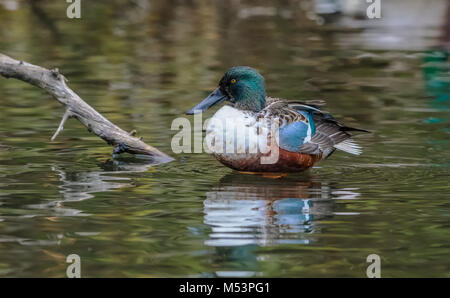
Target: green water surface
x: 143, y: 64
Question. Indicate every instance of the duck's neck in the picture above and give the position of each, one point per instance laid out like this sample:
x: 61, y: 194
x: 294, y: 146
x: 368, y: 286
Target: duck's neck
x: 251, y: 100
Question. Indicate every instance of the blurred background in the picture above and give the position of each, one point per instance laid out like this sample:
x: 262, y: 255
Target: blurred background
x: 143, y: 63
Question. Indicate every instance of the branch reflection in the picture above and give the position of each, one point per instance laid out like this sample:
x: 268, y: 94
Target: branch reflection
x: 78, y: 186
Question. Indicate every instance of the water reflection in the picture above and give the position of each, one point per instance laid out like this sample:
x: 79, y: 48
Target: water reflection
x: 79, y: 186
x: 251, y: 209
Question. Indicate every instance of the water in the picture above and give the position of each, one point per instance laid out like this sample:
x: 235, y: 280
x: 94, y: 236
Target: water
x: 144, y: 64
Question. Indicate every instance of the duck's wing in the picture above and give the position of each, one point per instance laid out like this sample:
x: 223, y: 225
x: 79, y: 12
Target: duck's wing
x: 306, y: 129
x: 328, y: 133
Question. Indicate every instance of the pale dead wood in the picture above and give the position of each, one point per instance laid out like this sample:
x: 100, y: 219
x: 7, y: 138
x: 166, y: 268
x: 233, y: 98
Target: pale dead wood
x: 54, y: 83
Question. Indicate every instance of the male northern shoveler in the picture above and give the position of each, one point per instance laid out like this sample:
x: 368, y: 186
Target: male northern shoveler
x: 305, y: 135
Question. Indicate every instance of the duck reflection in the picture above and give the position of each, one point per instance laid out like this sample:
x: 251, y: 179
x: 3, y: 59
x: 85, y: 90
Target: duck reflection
x: 252, y: 209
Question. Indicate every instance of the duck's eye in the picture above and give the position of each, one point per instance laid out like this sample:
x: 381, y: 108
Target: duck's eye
x: 233, y: 81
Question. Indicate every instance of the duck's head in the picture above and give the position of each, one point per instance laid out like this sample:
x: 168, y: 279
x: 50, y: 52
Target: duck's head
x: 242, y: 86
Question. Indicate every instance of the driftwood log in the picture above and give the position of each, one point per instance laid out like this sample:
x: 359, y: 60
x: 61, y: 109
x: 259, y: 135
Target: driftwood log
x: 55, y: 84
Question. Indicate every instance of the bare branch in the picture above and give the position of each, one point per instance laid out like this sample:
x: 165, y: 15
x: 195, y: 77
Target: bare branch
x: 54, y: 83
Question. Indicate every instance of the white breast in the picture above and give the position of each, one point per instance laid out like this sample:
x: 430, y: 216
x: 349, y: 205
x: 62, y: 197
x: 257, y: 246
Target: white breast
x: 232, y: 132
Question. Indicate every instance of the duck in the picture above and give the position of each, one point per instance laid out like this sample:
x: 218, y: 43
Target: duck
x: 255, y: 133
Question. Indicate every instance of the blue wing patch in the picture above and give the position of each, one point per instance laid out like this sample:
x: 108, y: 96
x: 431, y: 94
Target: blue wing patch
x: 292, y: 136
x: 295, y: 134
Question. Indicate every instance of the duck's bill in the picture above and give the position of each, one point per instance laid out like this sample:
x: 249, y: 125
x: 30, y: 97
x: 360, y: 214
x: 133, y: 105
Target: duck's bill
x: 214, y: 98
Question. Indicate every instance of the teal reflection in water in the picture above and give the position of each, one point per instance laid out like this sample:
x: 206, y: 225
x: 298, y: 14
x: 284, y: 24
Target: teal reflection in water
x: 436, y: 72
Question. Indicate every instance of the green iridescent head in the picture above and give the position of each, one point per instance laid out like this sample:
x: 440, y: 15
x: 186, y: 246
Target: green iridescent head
x: 242, y: 86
